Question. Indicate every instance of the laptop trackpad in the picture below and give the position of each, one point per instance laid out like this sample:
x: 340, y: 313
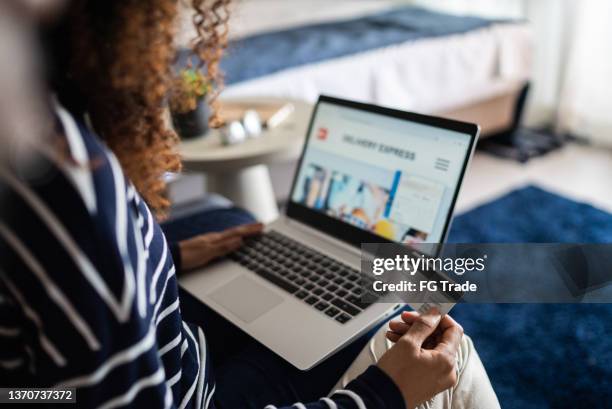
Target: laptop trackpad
x: 246, y: 299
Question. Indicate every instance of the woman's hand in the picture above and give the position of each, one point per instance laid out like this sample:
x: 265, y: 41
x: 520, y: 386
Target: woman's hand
x: 422, y: 361
x: 201, y: 250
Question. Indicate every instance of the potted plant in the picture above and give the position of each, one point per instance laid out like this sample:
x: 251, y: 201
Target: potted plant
x: 188, y: 105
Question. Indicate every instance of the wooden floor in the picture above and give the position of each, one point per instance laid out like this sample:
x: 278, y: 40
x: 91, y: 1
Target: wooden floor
x: 582, y: 173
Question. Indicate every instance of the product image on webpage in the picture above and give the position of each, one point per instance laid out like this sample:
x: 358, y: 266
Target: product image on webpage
x: 401, y: 209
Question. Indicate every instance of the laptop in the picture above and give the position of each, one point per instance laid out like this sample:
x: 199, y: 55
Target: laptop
x: 367, y: 174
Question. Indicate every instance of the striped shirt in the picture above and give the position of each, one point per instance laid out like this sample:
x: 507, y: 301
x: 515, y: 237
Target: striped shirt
x: 88, y: 290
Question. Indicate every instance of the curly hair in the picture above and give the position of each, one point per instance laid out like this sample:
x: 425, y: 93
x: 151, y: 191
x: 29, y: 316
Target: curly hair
x: 119, y: 57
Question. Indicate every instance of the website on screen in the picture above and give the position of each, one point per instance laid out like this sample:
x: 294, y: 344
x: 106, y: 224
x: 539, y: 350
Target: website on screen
x: 390, y: 176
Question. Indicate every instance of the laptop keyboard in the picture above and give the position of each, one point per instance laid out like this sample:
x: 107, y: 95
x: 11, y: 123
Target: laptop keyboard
x: 330, y: 287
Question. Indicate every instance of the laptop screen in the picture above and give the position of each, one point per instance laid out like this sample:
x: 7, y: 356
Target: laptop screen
x: 392, y: 177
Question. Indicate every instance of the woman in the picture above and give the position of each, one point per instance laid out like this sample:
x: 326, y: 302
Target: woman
x: 88, y: 290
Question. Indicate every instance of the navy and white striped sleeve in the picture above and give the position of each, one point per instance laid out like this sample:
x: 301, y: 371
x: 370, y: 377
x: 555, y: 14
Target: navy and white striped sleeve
x: 75, y: 298
x: 371, y: 390
x: 92, y: 299
x: 13, y: 356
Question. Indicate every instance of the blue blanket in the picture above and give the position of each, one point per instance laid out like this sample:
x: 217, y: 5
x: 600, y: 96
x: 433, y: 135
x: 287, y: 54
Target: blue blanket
x: 540, y: 356
x: 270, y: 52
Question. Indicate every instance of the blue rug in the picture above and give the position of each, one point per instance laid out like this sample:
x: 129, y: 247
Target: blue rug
x: 540, y: 356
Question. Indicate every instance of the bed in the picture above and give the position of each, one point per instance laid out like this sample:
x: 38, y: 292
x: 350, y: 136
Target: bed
x: 380, y: 52
x: 375, y: 51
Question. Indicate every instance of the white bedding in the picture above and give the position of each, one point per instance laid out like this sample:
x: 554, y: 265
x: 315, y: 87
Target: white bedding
x: 429, y: 75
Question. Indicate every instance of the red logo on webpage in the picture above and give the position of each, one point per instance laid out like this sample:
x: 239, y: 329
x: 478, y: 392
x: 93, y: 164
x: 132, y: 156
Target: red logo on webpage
x: 322, y: 134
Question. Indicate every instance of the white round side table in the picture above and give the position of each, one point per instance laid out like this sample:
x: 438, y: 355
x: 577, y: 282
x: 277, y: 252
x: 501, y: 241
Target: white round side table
x: 240, y: 172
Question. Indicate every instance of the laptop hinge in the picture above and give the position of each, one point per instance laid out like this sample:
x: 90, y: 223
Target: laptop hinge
x: 324, y: 236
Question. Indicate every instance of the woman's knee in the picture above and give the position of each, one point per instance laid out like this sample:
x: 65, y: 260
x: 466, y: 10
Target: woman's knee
x: 466, y: 349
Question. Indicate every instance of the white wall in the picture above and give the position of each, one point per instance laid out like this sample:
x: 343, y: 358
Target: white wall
x: 549, y: 24
x: 585, y: 103
x: 485, y: 8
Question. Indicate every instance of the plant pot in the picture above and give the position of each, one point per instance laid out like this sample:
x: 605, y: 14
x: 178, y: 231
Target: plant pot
x: 192, y: 124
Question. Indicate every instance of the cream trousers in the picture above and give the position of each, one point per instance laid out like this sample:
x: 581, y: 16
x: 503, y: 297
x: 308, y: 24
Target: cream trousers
x: 473, y: 389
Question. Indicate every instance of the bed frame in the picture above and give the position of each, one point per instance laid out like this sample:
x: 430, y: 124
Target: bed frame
x: 498, y: 114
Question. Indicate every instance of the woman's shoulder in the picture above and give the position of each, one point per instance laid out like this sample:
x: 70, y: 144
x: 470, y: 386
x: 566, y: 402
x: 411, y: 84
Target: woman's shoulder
x: 73, y: 208
x: 68, y: 179
x: 93, y: 170
x: 70, y: 230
